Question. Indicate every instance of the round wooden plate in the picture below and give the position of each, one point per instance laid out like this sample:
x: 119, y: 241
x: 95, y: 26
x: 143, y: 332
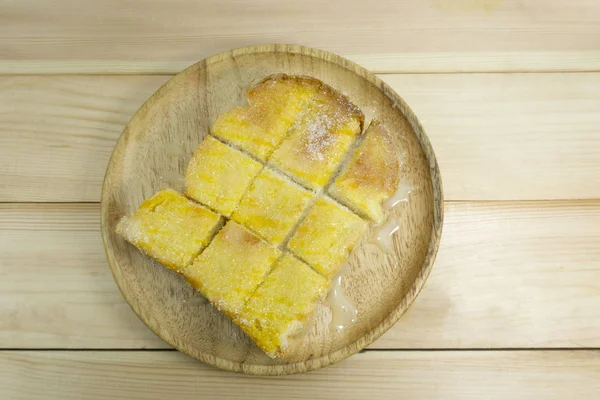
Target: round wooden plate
x: 178, y: 115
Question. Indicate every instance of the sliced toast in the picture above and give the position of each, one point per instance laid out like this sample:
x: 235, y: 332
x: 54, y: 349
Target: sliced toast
x: 170, y: 228
x: 371, y: 176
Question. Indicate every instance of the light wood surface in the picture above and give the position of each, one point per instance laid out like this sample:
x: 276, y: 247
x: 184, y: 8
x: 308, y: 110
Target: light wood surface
x: 406, y: 35
x: 390, y: 375
x: 543, y: 258
x: 508, y: 92
x: 486, y: 130
x: 382, y: 285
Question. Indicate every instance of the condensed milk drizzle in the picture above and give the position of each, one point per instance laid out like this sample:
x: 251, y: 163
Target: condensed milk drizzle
x: 343, y: 310
x: 384, y: 234
x: 401, y: 194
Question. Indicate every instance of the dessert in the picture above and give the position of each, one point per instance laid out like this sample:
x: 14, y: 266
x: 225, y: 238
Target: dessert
x: 276, y: 315
x: 218, y: 175
x: 327, y: 236
x: 274, y: 105
x: 170, y: 228
x: 232, y: 266
x: 272, y: 206
x: 371, y: 176
x: 267, y: 170
x: 319, y: 140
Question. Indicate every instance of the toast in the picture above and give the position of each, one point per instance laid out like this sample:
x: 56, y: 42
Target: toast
x: 327, y: 236
x: 318, y: 142
x: 276, y: 315
x: 272, y: 206
x: 265, y: 168
x: 371, y: 176
x: 274, y: 106
x: 232, y: 266
x: 218, y: 175
x: 170, y: 228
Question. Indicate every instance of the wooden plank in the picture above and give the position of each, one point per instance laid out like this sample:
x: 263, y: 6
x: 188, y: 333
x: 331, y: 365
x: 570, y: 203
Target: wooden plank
x: 56, y: 288
x: 406, y: 35
x: 496, y: 136
x: 508, y: 274
x: 57, y: 134
x: 510, y: 136
x: 388, y: 375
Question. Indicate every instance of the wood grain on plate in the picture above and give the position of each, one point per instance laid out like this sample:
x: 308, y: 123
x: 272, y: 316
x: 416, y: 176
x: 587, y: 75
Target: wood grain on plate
x: 390, y: 375
x: 56, y: 133
x: 381, y: 285
x: 406, y: 35
x: 508, y: 274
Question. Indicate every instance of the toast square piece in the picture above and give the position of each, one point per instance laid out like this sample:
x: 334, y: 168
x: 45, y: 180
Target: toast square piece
x: 232, y: 266
x: 274, y: 105
x: 318, y: 142
x: 278, y: 313
x: 327, y: 236
x: 272, y: 206
x: 218, y: 175
x: 371, y: 176
x: 170, y: 228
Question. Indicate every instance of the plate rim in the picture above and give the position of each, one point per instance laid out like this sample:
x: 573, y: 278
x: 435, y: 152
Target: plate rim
x: 434, y: 241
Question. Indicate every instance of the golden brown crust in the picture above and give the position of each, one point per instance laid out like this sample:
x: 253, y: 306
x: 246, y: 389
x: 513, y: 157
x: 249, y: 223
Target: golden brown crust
x: 324, y: 90
x: 376, y: 165
x: 342, y: 103
x: 319, y: 140
x: 274, y: 105
x: 371, y: 176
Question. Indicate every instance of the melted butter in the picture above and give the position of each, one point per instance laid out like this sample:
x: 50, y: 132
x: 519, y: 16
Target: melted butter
x: 343, y: 310
x: 383, y: 235
x: 402, y: 194
x: 173, y: 150
x: 172, y: 177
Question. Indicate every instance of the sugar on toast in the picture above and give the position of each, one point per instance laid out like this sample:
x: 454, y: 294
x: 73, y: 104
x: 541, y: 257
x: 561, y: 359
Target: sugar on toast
x: 170, y: 228
x: 232, y: 266
x: 274, y: 105
x: 218, y: 175
x: 371, y: 176
x: 327, y: 236
x: 276, y: 316
x: 272, y: 206
x: 317, y: 143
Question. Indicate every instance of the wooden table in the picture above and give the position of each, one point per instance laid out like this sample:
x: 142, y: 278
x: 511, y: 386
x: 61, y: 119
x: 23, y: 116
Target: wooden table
x: 509, y: 93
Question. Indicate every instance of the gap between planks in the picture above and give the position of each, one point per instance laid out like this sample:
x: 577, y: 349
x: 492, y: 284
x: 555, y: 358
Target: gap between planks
x: 446, y: 202
x: 366, y: 350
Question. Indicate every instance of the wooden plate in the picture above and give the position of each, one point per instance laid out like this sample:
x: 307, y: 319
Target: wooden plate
x: 178, y: 115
